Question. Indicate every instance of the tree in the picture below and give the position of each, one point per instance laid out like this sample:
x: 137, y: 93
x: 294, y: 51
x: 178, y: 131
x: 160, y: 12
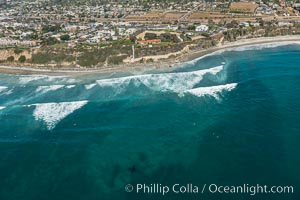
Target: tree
x: 50, y: 41
x: 168, y: 37
x: 65, y: 37
x: 260, y: 21
x: 34, y: 36
x: 205, y: 34
x: 50, y: 28
x: 192, y: 27
x: 233, y: 24
x: 132, y: 38
x: 18, y: 51
x: 150, y: 36
x: 150, y: 60
x: 22, y: 59
x: 10, y: 59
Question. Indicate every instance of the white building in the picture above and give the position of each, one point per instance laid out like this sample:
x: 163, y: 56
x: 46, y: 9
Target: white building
x: 244, y: 24
x: 201, y: 28
x: 283, y: 23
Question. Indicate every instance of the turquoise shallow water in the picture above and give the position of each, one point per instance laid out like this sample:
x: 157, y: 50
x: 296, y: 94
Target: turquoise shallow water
x: 230, y: 118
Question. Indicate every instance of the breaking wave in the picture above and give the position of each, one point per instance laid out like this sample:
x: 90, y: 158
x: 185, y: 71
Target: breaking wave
x: 260, y: 46
x: 44, y: 89
x: 2, y: 88
x: 25, y: 79
x: 8, y: 92
x: 53, y: 113
x: 175, y: 82
x: 246, y: 47
x: 90, y: 86
x: 2, y: 107
x: 213, y: 91
x: 70, y: 86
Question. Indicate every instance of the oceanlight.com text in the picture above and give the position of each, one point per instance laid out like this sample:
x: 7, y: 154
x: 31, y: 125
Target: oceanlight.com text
x: 246, y: 189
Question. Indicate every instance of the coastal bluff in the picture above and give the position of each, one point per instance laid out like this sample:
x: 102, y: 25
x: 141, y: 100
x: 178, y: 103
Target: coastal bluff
x: 8, y: 52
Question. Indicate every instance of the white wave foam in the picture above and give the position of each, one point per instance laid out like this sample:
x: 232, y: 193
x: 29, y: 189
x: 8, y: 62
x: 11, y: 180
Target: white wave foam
x: 26, y: 79
x: 8, y: 92
x: 70, y: 86
x: 212, y: 91
x: 53, y: 113
x: 194, y: 61
x: 244, y: 47
x: 176, y: 82
x: 260, y: 46
x: 51, y: 78
x: 2, y: 88
x: 44, y: 89
x: 1, y: 107
x: 71, y: 80
x: 90, y: 86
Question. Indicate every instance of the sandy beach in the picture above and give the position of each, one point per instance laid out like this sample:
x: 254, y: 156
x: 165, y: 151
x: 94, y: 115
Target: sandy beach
x: 161, y: 64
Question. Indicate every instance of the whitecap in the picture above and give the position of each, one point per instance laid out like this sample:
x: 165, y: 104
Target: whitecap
x: 2, y: 107
x: 29, y: 78
x: 261, y: 46
x: 212, y: 90
x: 71, y: 80
x: 90, y: 86
x: 44, y: 89
x: 175, y: 82
x: 70, y: 86
x: 8, y: 92
x: 54, y: 78
x: 24, y: 79
x: 2, y: 88
x: 53, y: 113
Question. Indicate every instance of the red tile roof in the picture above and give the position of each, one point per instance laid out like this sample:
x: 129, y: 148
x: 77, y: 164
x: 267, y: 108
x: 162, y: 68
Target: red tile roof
x: 149, y: 41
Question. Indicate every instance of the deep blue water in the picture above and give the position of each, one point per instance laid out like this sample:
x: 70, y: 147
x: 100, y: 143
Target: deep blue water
x: 230, y: 118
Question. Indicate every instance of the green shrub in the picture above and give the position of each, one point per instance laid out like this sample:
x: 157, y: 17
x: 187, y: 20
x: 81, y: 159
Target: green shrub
x: 22, y: 59
x: 49, y: 41
x: 150, y: 36
x: 65, y: 37
x: 10, y: 59
x: 18, y: 51
x: 116, y: 59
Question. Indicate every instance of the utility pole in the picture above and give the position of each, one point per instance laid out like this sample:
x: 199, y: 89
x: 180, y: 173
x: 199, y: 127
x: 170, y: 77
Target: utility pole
x: 133, y: 55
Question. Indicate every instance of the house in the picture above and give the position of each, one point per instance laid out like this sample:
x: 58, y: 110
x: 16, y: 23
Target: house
x: 244, y: 24
x: 296, y: 5
x: 285, y: 23
x: 201, y: 28
x: 255, y: 24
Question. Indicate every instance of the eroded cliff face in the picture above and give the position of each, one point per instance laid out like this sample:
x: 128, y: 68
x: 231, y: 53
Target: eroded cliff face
x: 5, y: 53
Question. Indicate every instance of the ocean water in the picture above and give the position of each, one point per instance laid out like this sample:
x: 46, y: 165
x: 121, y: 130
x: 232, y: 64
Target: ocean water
x: 229, y: 118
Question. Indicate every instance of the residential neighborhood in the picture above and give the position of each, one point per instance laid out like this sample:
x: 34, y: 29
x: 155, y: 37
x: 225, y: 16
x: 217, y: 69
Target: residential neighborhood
x: 45, y: 27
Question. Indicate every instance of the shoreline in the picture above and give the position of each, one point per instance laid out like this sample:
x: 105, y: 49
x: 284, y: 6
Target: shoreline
x: 240, y: 43
x: 163, y: 64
